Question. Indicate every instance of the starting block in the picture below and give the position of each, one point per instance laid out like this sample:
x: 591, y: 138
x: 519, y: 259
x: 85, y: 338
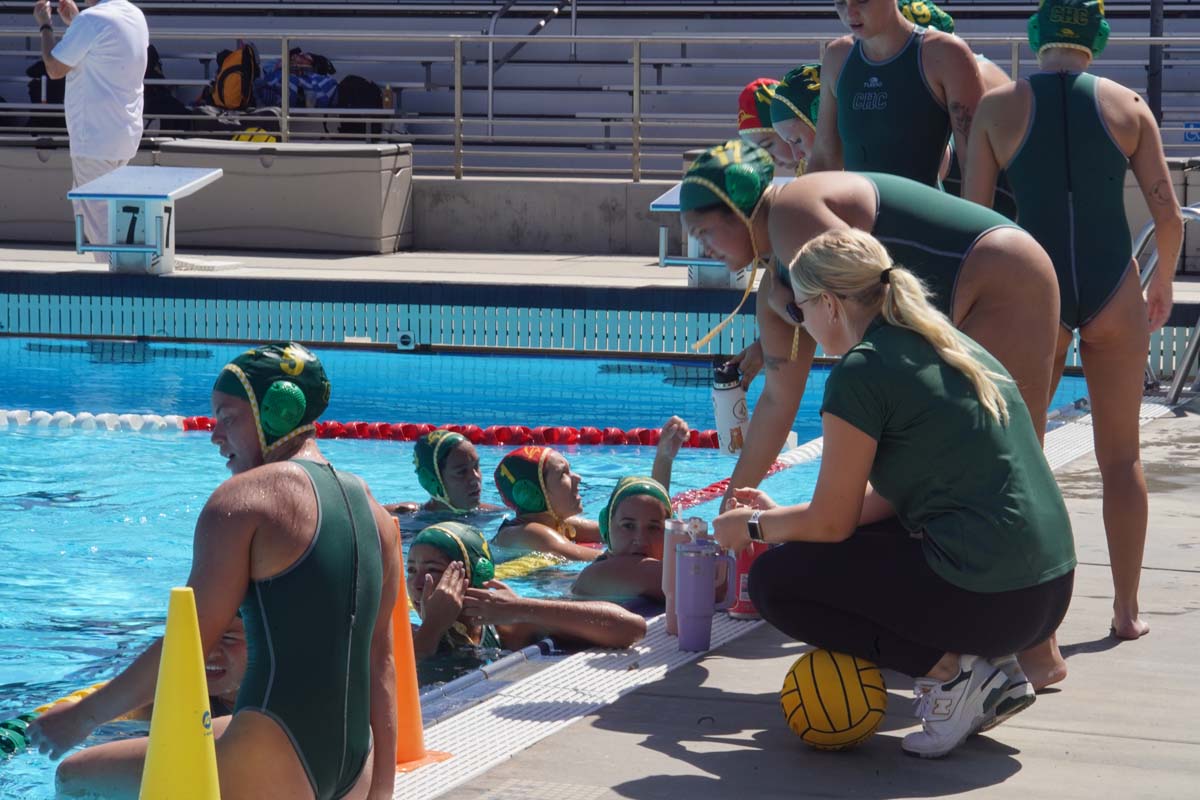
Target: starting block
x: 141, y: 214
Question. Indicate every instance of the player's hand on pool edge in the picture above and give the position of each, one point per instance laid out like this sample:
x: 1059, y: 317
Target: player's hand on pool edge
x: 60, y: 728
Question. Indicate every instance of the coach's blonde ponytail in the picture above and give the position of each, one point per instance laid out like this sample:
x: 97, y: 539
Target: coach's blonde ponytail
x: 852, y: 264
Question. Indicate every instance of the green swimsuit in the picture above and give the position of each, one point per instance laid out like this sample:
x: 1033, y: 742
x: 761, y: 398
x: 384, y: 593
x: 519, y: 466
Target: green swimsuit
x: 1069, y: 178
x: 888, y: 119
x: 926, y: 231
x: 308, y: 632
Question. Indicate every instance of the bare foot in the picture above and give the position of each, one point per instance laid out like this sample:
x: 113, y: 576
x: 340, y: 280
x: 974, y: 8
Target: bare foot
x: 1129, y: 627
x: 1043, y: 664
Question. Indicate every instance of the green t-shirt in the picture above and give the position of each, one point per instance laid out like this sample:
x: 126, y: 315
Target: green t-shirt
x: 982, y: 494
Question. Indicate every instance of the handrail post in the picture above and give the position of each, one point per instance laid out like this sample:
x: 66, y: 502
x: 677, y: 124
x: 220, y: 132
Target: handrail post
x: 1154, y: 70
x: 1015, y: 60
x: 636, y: 127
x: 491, y: 88
x: 458, y: 110
x: 574, y: 28
x: 285, y: 89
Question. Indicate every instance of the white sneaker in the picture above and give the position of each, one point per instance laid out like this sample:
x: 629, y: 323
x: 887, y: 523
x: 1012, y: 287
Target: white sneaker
x: 1018, y: 693
x: 952, y: 711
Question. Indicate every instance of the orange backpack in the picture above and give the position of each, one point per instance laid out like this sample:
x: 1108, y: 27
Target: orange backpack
x: 233, y: 89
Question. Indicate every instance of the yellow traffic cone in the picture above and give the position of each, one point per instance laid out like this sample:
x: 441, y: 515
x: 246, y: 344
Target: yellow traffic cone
x: 181, y: 761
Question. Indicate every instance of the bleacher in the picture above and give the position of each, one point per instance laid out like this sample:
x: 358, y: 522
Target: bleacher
x: 557, y: 104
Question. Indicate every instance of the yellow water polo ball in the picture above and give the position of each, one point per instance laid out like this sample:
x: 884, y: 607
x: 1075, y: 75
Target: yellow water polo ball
x: 833, y: 701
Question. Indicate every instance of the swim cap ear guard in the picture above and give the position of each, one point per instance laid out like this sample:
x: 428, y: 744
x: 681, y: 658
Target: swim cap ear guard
x: 528, y: 495
x: 1076, y: 24
x: 743, y: 185
x: 282, y: 407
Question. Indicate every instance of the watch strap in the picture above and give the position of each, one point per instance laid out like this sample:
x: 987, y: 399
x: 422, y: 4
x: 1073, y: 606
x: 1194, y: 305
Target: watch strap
x: 754, y: 526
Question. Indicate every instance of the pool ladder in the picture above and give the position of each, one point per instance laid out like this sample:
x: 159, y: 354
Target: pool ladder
x: 1183, y: 366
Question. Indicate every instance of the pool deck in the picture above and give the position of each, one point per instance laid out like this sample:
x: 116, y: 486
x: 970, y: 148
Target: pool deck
x: 1121, y: 725
x: 404, y: 267
x: 546, y: 269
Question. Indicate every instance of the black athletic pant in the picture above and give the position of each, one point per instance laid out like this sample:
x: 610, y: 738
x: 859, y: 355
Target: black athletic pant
x: 875, y: 597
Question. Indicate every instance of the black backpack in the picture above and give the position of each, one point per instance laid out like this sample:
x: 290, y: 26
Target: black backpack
x: 358, y: 92
x: 55, y: 89
x: 158, y: 98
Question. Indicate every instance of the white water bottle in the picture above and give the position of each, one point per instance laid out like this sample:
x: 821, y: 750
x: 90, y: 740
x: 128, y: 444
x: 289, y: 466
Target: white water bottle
x: 729, y: 407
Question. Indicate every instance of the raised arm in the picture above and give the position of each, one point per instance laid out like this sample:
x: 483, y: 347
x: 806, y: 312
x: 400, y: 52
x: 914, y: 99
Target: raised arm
x: 672, y: 436
x: 827, y: 148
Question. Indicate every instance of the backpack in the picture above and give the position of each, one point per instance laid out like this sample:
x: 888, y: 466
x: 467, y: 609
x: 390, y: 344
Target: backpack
x: 233, y: 88
x: 55, y: 89
x: 358, y: 92
x: 159, y: 99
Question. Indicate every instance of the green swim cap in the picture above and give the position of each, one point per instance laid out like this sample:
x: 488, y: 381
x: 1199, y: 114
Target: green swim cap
x: 285, y: 385
x: 925, y: 13
x: 461, y: 542
x: 798, y: 95
x: 1076, y: 24
x: 520, y: 479
x: 736, y: 173
x: 629, y: 486
x: 429, y: 456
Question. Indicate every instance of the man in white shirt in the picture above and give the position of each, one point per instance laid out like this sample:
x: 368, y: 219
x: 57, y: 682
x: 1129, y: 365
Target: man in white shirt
x: 103, y: 56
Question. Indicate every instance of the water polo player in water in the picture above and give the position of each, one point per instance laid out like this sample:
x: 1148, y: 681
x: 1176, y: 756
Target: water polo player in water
x: 450, y: 584
x: 447, y: 466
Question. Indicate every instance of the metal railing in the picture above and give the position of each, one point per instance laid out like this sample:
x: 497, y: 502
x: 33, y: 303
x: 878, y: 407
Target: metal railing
x: 654, y: 142
x: 1184, y: 365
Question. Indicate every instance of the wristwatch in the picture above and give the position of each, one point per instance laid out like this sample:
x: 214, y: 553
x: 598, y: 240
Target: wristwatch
x: 756, y: 534
x: 46, y: 26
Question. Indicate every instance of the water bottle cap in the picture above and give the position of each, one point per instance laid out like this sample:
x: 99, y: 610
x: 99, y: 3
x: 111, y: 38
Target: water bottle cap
x: 726, y: 374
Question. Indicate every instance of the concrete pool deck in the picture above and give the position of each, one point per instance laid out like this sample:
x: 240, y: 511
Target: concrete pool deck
x: 1121, y: 725
x: 412, y: 267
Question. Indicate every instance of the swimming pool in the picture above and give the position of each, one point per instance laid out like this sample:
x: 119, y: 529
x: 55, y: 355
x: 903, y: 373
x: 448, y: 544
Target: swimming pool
x: 95, y: 527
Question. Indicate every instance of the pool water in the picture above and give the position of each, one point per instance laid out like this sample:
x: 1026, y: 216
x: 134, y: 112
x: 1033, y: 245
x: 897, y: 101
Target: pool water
x: 95, y: 527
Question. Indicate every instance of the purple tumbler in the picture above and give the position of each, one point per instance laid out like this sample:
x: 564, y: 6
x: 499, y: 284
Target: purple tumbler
x: 695, y: 574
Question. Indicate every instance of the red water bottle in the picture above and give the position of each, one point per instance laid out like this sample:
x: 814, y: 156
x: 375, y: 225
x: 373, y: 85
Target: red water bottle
x: 743, y: 608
